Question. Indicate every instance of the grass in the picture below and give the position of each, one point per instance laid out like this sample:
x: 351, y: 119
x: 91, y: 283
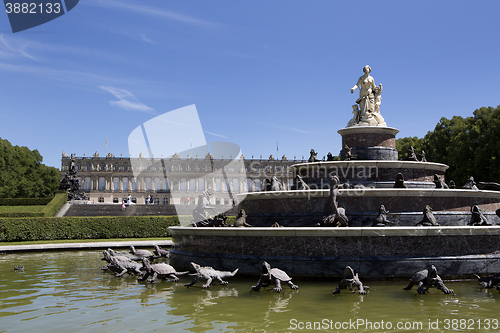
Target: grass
x: 21, y: 209
x: 62, y: 241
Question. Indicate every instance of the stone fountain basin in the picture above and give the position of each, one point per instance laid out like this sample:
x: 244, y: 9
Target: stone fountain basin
x: 375, y: 252
x: 305, y: 208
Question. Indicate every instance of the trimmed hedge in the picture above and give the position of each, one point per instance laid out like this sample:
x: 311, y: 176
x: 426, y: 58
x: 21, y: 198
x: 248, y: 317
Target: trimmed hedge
x: 24, y: 201
x: 52, y: 228
x: 51, y: 208
x: 55, y: 204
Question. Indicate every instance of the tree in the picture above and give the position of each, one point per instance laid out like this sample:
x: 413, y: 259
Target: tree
x: 469, y: 146
x: 22, y: 174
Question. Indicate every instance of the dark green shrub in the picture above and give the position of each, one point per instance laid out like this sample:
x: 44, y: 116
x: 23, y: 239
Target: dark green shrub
x: 25, y: 201
x: 52, y: 228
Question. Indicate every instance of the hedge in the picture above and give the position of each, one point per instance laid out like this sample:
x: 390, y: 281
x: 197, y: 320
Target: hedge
x: 53, y: 228
x: 51, y: 208
x: 24, y: 201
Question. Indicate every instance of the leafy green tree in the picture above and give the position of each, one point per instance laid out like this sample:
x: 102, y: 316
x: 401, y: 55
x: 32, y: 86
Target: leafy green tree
x: 469, y: 146
x: 22, y: 174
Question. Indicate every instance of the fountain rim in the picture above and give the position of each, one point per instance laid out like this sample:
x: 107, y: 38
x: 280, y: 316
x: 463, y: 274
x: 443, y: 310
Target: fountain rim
x: 375, y: 164
x: 368, y: 192
x: 420, y: 231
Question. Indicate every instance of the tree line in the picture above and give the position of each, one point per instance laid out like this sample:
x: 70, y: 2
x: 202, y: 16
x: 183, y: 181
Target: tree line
x: 22, y: 174
x: 469, y: 146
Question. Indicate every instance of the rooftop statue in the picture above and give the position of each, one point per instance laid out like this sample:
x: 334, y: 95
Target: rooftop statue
x: 367, y: 108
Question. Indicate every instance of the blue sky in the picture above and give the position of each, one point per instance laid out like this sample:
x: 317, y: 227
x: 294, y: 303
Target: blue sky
x: 259, y: 72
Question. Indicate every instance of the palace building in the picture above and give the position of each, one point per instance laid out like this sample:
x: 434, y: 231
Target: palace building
x: 174, y: 180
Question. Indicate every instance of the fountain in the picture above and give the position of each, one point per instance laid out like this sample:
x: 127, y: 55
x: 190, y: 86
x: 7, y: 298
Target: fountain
x: 369, y: 170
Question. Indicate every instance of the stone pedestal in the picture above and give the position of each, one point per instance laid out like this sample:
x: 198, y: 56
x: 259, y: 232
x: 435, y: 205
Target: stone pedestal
x: 370, y: 142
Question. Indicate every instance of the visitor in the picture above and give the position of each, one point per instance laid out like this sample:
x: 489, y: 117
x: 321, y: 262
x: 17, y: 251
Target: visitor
x: 123, y: 204
x: 129, y: 200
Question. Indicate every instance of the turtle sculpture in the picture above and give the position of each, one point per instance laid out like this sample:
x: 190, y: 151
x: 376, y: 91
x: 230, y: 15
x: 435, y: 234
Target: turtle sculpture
x: 114, y: 253
x: 488, y: 281
x: 140, y: 253
x: 209, y: 274
x: 400, y: 181
x: 439, y: 182
x: 426, y: 279
x: 350, y: 281
x: 160, y: 270
x: 159, y: 252
x: 273, y: 276
x: 121, y: 267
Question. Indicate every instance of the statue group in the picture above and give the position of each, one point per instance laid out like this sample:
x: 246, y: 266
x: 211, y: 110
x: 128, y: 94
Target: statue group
x: 367, y: 108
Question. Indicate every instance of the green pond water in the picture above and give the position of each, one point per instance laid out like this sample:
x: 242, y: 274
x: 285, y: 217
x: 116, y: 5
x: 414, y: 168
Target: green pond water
x: 68, y: 292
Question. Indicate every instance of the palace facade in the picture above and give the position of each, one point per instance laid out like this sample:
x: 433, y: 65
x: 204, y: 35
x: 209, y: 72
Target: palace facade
x: 174, y: 180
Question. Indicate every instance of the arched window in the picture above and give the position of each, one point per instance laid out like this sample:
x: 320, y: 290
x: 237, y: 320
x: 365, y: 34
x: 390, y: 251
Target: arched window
x: 116, y: 185
x: 226, y: 185
x: 257, y: 185
x: 165, y: 201
x: 134, y: 184
x: 192, y: 185
x: 156, y: 201
x: 217, y: 201
x: 102, y: 184
x: 87, y: 184
x: 148, y: 184
x: 125, y: 184
x: 183, y: 184
x: 201, y: 184
x: 157, y: 184
x: 226, y: 201
x: 101, y: 199
x: 249, y: 185
x: 115, y: 200
x: 165, y: 185
x: 192, y: 201
x: 236, y: 185
x: 183, y: 201
x: 218, y: 184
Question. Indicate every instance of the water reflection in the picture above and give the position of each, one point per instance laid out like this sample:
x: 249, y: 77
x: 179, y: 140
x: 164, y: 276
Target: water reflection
x: 68, y: 291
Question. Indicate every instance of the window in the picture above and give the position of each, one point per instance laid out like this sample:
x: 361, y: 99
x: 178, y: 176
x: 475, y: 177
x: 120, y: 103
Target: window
x: 101, y: 199
x: 117, y: 167
x: 103, y: 167
x: 88, y: 167
x: 201, y: 184
x: 165, y: 201
x: 157, y: 184
x: 87, y: 184
x: 217, y: 201
x: 134, y: 185
x: 217, y: 185
x: 226, y: 186
x: 102, y: 184
x: 249, y: 185
x: 134, y: 200
x: 116, y: 184
x: 149, y: 168
x: 125, y: 184
x: 183, y: 201
x: 192, y: 185
x: 165, y: 185
x: 156, y: 201
x: 236, y: 185
x: 148, y: 184
x: 79, y: 167
x: 125, y: 168
x: 183, y: 184
x: 192, y: 201
x: 257, y: 185
x: 115, y: 200
x: 226, y: 201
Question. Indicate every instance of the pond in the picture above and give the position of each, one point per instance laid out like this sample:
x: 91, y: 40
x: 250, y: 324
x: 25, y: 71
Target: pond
x: 67, y: 291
